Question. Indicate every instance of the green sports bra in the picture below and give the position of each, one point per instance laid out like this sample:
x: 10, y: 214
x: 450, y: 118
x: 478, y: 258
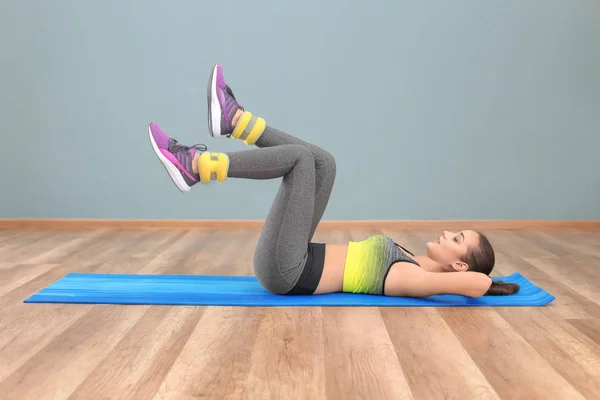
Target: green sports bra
x: 368, y: 263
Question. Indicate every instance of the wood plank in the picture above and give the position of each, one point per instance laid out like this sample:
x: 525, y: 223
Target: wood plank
x: 510, y: 364
x: 31, y: 328
x: 575, y: 356
x: 155, y: 242
x: 138, y: 364
x: 588, y: 266
x: 569, y: 302
x: 574, y: 242
x: 216, y: 359
x: 9, y: 237
x: 243, y: 263
x: 552, y: 242
x: 578, y: 279
x: 12, y: 308
x: 360, y: 363
x: 44, y: 244
x: 174, y: 254
x: 20, y: 274
x: 26, y: 327
x: 588, y: 326
x: 6, y: 265
x: 15, y: 248
x: 206, y: 257
x: 63, y: 246
x: 524, y: 245
x: 288, y: 359
x: 57, y: 369
x: 435, y: 363
x: 106, y: 246
x: 142, y: 247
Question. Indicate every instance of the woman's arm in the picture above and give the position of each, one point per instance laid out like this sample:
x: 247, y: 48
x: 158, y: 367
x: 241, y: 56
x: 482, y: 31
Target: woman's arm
x: 406, y: 279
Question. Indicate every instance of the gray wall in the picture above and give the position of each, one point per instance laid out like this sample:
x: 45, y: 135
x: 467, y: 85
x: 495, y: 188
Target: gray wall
x: 461, y: 110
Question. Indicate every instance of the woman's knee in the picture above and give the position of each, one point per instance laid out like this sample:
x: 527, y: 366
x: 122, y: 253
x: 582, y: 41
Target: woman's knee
x: 324, y: 159
x: 302, y: 152
x: 330, y: 162
x: 271, y: 280
x: 325, y: 162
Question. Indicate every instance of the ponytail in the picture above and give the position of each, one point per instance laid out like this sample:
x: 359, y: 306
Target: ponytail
x: 501, y: 289
x: 482, y: 259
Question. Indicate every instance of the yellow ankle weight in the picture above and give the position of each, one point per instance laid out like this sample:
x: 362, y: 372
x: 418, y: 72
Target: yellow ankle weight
x: 249, y: 128
x: 213, y: 166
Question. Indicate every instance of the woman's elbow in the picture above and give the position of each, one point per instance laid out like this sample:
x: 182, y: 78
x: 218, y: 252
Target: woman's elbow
x: 481, y: 286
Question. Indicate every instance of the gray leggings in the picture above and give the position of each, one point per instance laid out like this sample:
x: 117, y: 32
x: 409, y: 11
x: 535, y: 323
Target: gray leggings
x: 284, y: 249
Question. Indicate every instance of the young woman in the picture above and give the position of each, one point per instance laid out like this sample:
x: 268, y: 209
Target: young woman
x: 286, y: 260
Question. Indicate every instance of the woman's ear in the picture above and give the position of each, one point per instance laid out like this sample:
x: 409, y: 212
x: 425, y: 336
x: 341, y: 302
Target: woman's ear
x: 460, y: 266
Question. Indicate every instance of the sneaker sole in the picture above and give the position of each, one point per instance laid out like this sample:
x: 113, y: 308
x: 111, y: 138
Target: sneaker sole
x: 214, y: 108
x: 169, y: 166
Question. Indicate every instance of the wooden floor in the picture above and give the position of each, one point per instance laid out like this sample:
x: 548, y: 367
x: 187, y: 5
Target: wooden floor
x: 154, y: 352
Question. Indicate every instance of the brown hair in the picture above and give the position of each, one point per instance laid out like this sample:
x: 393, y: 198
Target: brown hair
x: 482, y: 259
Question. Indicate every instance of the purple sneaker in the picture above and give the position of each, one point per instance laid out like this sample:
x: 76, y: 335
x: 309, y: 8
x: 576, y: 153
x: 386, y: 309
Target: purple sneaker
x: 176, y: 158
x: 222, y: 104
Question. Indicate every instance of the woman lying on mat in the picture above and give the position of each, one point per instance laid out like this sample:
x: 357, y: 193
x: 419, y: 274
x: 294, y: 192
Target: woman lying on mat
x: 286, y: 260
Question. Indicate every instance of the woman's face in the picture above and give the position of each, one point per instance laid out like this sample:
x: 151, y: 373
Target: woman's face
x: 450, y: 248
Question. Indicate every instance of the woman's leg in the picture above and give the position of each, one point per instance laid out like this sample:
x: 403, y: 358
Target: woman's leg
x: 325, y: 168
x: 283, y: 249
x: 224, y: 115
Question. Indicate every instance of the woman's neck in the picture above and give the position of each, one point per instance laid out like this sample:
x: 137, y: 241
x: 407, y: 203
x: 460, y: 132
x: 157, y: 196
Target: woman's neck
x: 430, y: 265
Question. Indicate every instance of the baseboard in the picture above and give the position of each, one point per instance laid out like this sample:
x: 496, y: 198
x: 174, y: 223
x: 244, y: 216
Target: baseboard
x: 325, y: 225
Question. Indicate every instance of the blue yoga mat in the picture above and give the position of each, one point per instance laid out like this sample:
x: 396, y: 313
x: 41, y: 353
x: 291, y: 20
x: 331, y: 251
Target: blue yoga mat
x: 246, y: 291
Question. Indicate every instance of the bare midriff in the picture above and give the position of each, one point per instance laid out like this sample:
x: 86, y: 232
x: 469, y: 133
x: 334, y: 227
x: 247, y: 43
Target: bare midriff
x: 332, y: 278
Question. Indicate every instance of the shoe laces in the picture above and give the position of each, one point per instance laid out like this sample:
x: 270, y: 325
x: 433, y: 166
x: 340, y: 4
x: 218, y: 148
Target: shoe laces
x: 230, y: 92
x: 176, y: 147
